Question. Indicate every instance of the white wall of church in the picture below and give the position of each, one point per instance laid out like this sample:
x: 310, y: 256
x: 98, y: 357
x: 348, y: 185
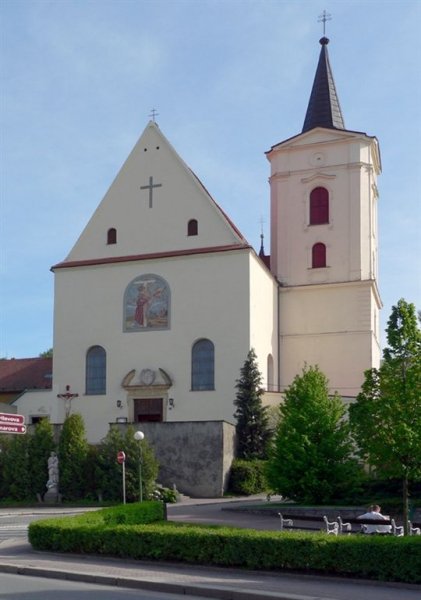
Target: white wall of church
x: 209, y: 299
x: 140, y: 226
x: 333, y: 327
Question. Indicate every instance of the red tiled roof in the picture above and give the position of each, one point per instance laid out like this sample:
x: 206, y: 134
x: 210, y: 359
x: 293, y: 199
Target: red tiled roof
x: 18, y: 374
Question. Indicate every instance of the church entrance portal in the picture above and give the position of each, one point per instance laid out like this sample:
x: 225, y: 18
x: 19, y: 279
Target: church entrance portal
x: 148, y: 409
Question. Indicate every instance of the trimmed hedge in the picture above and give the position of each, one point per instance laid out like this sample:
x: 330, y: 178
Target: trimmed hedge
x: 382, y: 558
x: 247, y: 477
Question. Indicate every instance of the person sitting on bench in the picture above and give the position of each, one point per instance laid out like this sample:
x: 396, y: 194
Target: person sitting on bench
x: 375, y: 514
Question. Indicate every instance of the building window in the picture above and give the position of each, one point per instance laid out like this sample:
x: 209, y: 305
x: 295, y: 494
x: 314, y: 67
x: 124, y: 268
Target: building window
x: 318, y: 256
x: 319, y: 206
x: 192, y: 227
x: 96, y: 362
x: 112, y: 236
x: 203, y: 366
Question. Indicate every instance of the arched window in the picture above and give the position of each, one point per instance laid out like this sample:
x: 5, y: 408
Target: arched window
x: 112, y: 236
x: 96, y: 363
x: 319, y: 206
x: 318, y: 256
x: 192, y: 227
x: 203, y: 365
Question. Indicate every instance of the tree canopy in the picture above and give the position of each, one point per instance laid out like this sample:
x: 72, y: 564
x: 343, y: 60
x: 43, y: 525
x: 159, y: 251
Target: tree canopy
x: 311, y: 459
x: 386, y: 417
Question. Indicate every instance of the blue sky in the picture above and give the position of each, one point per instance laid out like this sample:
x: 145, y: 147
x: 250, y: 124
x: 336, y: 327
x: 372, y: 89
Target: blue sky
x: 229, y: 78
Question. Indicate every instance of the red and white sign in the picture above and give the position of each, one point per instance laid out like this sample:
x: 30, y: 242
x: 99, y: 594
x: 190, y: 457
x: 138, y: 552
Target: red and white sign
x: 10, y: 419
x: 12, y: 428
x: 121, y: 457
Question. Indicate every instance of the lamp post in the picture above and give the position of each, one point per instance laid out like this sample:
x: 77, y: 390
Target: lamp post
x: 139, y: 436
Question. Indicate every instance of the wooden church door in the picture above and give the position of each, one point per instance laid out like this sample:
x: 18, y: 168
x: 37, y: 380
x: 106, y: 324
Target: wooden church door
x: 148, y: 409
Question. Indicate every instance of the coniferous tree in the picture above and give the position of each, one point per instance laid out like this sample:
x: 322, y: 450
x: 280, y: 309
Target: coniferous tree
x: 109, y: 472
x: 17, y: 468
x: 41, y: 444
x: 311, y: 459
x: 252, y: 429
x: 386, y: 417
x: 72, y: 453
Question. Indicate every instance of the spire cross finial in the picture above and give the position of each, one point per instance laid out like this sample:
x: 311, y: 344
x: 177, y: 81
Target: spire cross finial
x: 154, y: 114
x: 325, y: 16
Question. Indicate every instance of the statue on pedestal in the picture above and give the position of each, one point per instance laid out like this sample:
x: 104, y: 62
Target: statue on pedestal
x: 52, y: 494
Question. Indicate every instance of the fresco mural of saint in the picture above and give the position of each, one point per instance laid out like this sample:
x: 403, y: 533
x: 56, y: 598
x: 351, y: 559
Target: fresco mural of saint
x: 146, y: 304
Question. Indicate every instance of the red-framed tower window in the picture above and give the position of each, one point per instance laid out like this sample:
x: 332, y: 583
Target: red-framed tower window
x: 319, y: 206
x: 318, y: 256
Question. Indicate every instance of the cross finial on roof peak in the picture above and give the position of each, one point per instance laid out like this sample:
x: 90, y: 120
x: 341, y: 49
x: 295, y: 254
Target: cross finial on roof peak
x: 154, y: 113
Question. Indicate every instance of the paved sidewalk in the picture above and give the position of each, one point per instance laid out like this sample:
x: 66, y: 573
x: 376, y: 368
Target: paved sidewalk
x: 17, y: 556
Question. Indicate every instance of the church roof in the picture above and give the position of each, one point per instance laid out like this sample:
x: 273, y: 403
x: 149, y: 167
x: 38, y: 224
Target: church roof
x: 323, y: 108
x: 19, y: 374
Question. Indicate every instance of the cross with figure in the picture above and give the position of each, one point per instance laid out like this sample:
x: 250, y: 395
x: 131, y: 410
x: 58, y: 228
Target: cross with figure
x: 150, y: 187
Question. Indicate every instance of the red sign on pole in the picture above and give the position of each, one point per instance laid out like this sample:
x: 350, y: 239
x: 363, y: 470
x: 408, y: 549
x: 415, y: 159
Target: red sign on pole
x: 10, y: 419
x: 12, y: 428
x: 121, y: 457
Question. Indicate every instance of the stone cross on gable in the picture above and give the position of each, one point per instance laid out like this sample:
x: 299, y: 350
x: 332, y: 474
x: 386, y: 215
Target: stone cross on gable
x: 150, y: 187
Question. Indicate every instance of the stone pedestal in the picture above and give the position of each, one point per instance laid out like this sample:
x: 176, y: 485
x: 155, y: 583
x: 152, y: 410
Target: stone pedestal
x: 52, y: 496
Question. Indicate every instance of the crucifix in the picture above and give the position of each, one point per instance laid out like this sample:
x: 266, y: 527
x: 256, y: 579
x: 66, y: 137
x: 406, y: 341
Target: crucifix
x: 67, y: 397
x: 150, y: 188
x: 325, y: 16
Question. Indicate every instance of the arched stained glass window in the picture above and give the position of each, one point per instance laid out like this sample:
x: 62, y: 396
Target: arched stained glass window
x: 318, y: 256
x: 203, y: 365
x: 96, y: 364
x: 319, y: 206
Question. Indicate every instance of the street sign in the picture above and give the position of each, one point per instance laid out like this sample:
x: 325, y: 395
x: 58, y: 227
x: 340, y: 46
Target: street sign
x: 121, y: 457
x: 12, y: 428
x: 11, y: 419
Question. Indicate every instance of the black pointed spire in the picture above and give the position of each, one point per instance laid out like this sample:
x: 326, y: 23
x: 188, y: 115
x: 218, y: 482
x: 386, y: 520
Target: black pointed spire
x: 323, y: 108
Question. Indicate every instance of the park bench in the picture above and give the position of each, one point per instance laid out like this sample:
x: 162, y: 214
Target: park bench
x: 338, y: 526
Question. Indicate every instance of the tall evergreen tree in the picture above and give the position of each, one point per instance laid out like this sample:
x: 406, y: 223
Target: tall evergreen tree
x: 386, y: 417
x: 73, y: 452
x: 311, y: 456
x: 41, y: 443
x: 253, y: 433
x: 16, y: 476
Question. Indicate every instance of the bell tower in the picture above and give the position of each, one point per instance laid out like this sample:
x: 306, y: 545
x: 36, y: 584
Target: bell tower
x: 324, y: 242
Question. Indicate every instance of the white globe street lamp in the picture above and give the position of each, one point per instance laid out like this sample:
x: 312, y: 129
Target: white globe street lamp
x: 139, y: 436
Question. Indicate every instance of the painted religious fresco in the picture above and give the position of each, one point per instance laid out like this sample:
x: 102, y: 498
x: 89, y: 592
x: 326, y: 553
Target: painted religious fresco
x: 147, y: 304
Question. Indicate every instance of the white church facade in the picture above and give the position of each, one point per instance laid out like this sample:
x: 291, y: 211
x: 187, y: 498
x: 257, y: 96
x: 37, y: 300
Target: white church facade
x: 161, y: 298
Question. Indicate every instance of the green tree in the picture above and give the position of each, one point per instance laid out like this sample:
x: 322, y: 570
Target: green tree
x: 47, y: 354
x: 16, y: 476
x: 252, y: 428
x: 386, y: 417
x: 109, y: 472
x: 73, y: 452
x: 311, y: 458
x: 41, y: 443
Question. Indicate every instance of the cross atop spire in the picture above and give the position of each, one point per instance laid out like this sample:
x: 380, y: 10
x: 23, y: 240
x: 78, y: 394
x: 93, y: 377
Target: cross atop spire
x: 325, y: 16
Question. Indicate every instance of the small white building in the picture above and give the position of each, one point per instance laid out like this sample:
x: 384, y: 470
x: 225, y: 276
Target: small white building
x: 161, y: 297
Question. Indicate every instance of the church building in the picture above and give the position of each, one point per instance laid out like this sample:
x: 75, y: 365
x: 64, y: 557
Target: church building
x: 160, y: 299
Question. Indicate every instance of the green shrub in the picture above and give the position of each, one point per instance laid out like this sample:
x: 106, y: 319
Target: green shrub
x: 247, y: 477
x: 133, y: 514
x: 382, y: 558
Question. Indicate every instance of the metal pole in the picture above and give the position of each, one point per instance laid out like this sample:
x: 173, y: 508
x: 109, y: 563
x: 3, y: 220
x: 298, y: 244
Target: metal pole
x: 124, y: 482
x: 140, y: 474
